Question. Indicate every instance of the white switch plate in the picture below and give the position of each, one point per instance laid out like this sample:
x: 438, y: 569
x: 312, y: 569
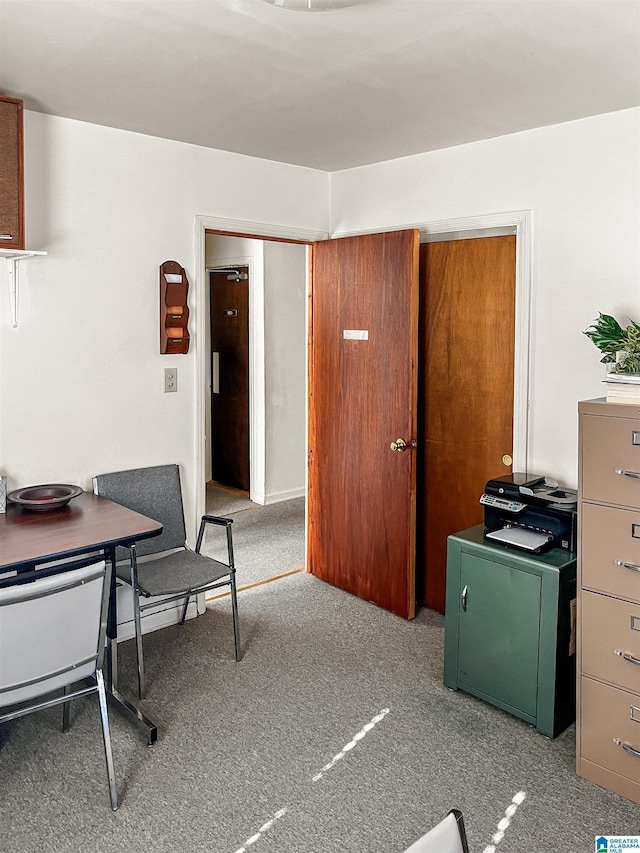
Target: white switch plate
x: 170, y: 379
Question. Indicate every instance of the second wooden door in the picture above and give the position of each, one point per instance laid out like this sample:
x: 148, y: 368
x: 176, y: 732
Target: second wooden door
x: 467, y: 334
x: 230, y: 378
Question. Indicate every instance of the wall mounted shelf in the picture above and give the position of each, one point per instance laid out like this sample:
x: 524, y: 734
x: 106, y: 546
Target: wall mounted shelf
x: 12, y: 257
x: 174, y: 313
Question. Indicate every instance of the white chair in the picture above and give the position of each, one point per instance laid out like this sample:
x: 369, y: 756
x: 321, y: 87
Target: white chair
x: 448, y: 836
x: 52, y: 639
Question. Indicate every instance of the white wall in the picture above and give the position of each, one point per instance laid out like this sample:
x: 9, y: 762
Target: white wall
x: 81, y: 377
x: 582, y: 181
x: 285, y: 276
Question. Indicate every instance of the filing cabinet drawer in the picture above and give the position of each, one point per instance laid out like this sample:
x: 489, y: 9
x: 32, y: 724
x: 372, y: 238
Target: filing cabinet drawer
x: 610, y: 728
x: 611, y: 460
x: 611, y: 550
x: 611, y: 631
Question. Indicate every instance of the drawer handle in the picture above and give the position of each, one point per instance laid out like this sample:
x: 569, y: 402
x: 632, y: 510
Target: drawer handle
x: 627, y: 747
x: 627, y: 565
x: 628, y: 473
x: 6, y: 236
x: 626, y: 656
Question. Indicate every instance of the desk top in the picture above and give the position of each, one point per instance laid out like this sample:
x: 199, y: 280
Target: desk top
x: 88, y: 522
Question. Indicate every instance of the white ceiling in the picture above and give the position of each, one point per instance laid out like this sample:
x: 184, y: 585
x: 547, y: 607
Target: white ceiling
x: 330, y: 90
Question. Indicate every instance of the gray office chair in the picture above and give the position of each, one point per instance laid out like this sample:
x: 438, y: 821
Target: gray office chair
x: 448, y: 836
x: 52, y: 638
x: 175, y: 572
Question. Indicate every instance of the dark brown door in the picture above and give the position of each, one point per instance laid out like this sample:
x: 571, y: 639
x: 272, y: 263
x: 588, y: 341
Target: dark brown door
x: 467, y: 332
x: 363, y: 386
x: 230, y: 378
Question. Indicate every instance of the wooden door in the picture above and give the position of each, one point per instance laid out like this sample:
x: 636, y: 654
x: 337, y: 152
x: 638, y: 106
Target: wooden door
x: 467, y: 333
x: 230, y: 379
x: 363, y: 386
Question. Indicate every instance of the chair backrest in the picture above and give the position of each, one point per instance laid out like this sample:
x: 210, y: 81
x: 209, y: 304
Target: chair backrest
x: 52, y: 631
x: 448, y: 836
x: 154, y: 492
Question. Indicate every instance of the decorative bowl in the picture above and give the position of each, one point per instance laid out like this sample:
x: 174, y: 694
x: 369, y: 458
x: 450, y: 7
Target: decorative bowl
x: 44, y: 498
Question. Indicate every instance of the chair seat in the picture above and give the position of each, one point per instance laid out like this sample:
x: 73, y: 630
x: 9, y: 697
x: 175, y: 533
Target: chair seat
x: 175, y: 573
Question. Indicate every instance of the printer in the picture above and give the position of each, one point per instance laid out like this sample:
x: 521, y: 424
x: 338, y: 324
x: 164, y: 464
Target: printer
x: 530, y: 512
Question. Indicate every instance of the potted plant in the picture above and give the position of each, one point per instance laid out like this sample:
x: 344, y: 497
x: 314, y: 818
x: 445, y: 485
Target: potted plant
x: 620, y: 347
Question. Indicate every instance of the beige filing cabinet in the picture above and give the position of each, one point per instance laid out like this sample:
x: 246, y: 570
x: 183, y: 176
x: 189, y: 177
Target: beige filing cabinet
x: 608, y: 635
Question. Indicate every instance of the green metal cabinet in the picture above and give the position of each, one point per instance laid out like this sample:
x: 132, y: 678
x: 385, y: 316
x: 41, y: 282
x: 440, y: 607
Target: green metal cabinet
x: 509, y: 629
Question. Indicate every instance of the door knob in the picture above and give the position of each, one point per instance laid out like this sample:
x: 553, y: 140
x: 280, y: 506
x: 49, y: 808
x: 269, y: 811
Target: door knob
x: 399, y: 445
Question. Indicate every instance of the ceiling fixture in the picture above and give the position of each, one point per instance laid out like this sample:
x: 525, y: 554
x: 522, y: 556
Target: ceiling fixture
x: 313, y: 5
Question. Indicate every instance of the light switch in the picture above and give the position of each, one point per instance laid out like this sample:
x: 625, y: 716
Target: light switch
x: 170, y: 379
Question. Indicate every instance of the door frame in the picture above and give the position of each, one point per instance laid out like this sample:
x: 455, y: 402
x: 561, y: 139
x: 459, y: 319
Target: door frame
x: 519, y: 222
x: 257, y: 403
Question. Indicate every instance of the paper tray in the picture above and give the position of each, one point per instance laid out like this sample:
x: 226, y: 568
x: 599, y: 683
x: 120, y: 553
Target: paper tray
x: 528, y: 540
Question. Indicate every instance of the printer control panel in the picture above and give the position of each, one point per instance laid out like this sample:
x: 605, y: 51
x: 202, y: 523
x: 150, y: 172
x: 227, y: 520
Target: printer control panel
x: 502, y: 503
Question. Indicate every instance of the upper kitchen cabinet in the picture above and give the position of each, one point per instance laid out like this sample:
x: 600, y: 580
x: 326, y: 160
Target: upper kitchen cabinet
x: 11, y: 174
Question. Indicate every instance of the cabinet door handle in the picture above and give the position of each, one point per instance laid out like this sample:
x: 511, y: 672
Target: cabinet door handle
x: 629, y: 566
x: 627, y: 747
x: 628, y: 473
x: 626, y: 656
x: 6, y: 236
x: 463, y: 598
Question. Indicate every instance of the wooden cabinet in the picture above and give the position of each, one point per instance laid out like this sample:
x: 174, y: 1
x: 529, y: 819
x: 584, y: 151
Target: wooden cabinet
x: 11, y: 174
x: 508, y: 629
x: 608, y: 662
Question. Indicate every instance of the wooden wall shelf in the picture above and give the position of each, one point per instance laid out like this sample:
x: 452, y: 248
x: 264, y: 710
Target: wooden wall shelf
x: 174, y: 311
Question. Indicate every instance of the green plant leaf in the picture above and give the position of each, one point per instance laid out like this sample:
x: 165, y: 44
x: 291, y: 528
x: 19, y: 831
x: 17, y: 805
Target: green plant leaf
x: 607, y: 334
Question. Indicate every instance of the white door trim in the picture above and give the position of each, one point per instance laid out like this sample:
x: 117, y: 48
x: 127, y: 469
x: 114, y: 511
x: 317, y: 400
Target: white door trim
x: 520, y: 223
x: 256, y: 343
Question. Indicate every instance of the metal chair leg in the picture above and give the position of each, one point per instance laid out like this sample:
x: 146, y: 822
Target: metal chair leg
x: 106, y: 737
x: 137, y: 621
x: 184, y: 610
x: 234, y: 609
x: 234, y: 596
x: 65, y: 710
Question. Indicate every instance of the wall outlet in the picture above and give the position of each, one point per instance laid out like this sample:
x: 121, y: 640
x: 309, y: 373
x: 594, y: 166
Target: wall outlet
x: 170, y: 379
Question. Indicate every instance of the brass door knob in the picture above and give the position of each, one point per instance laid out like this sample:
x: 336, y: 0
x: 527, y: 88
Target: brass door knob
x: 507, y: 460
x: 399, y: 445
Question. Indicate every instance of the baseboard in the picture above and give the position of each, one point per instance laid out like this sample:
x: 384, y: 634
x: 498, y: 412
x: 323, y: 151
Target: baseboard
x: 160, y: 617
x: 288, y: 495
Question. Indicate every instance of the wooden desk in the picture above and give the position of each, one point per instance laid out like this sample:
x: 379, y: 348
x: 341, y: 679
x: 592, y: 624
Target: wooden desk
x: 88, y: 526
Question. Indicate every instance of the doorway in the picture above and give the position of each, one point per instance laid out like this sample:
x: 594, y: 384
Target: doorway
x: 255, y: 400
